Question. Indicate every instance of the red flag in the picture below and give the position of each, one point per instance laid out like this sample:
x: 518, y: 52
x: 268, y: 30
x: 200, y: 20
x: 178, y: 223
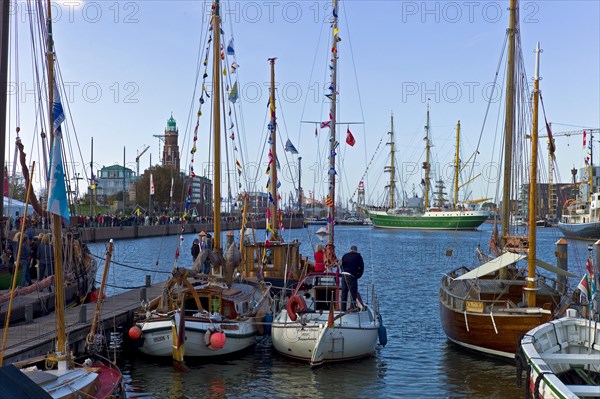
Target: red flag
x: 325, y: 124
x: 350, y: 138
x: 584, y: 134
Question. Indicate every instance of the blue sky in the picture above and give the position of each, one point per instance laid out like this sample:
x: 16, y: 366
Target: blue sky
x: 130, y: 64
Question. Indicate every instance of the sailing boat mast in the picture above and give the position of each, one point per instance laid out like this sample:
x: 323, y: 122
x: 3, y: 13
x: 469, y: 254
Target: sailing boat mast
x: 531, y: 264
x: 217, y: 127
x: 426, y: 164
x: 392, y: 167
x: 4, y: 44
x: 509, y: 119
x: 59, y: 299
x: 332, y: 114
x: 273, y: 161
x: 456, y: 164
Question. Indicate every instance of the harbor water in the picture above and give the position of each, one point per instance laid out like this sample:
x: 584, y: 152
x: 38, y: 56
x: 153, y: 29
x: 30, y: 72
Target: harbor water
x: 418, y: 361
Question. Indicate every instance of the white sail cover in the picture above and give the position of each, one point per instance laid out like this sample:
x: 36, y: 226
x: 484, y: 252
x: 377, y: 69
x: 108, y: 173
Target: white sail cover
x: 498, y: 263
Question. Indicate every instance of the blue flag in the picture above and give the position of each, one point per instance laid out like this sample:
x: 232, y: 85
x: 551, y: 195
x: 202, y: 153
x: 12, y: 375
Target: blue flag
x: 230, y: 50
x: 290, y: 147
x: 57, y: 190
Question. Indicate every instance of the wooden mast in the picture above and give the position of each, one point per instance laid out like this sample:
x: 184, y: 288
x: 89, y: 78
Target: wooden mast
x: 273, y: 161
x: 62, y: 346
x: 217, y: 127
x: 392, y: 167
x: 4, y: 45
x: 333, y: 115
x: 456, y: 164
x: 509, y: 120
x: 531, y: 264
x: 426, y: 164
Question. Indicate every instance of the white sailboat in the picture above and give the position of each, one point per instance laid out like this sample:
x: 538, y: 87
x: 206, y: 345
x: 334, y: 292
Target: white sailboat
x: 312, y: 327
x: 209, y: 315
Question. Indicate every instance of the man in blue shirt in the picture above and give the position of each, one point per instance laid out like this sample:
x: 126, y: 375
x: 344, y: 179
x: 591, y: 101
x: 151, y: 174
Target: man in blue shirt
x: 352, y: 269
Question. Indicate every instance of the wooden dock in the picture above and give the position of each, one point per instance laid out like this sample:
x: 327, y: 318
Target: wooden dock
x: 36, y: 338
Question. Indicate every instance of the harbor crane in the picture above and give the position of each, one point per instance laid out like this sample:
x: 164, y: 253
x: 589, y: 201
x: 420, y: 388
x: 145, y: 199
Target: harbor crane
x: 137, y: 159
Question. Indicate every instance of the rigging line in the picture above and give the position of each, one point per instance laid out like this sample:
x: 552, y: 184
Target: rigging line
x: 312, y: 70
x: 369, y: 164
x: 489, y: 104
x: 362, y: 112
x: 293, y: 175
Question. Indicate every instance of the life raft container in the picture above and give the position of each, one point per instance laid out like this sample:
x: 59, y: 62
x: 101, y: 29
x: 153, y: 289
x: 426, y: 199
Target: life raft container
x: 295, y: 305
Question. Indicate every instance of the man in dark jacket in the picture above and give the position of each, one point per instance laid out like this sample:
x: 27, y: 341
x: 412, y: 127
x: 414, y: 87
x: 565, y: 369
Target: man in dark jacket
x: 352, y: 269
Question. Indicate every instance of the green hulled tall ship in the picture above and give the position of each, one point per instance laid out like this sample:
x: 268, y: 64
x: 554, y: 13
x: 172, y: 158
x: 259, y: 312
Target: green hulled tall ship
x: 420, y: 216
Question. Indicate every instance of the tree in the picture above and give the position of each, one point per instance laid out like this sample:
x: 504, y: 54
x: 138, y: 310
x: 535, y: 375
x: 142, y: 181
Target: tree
x: 161, y: 177
x: 16, y: 187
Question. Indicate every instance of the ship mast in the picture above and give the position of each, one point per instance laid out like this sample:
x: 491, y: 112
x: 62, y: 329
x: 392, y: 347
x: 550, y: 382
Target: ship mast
x: 62, y: 346
x: 332, y: 114
x: 509, y: 119
x: 4, y: 44
x: 531, y: 279
x: 392, y: 168
x: 217, y: 127
x: 426, y: 164
x: 456, y: 164
x: 273, y: 161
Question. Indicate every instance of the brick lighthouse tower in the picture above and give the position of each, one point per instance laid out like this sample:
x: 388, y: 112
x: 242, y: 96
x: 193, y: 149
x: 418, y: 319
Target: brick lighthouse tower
x: 171, y: 149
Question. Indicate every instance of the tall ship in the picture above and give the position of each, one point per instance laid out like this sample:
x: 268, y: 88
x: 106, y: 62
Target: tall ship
x: 441, y: 216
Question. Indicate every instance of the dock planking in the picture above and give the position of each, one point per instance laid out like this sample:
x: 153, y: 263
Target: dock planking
x: 37, y: 338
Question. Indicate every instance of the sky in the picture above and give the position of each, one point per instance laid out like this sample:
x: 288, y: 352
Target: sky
x: 129, y: 65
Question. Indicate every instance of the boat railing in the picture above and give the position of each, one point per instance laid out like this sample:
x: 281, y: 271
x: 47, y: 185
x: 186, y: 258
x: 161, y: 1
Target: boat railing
x: 476, y: 305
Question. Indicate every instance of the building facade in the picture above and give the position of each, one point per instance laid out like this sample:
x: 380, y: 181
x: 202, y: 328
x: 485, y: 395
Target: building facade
x: 113, y: 179
x: 202, y: 196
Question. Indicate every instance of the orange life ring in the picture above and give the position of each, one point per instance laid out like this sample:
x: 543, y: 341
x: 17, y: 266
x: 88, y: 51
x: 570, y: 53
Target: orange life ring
x: 294, y: 305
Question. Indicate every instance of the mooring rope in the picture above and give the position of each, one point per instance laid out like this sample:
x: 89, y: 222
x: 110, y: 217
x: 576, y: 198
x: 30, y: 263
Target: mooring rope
x: 133, y: 267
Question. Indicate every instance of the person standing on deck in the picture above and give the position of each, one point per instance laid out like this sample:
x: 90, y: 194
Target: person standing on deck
x: 195, y: 249
x: 352, y: 269
x: 319, y: 256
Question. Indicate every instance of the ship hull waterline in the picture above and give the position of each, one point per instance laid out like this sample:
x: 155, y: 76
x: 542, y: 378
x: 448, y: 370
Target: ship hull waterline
x: 427, y: 221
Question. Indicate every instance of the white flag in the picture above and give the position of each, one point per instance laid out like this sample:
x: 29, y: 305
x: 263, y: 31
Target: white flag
x: 151, y: 185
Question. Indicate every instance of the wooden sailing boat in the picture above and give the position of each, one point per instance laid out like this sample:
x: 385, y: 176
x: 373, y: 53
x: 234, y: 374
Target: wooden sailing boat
x: 62, y: 377
x: 438, y: 217
x: 209, y: 315
x: 489, y: 308
x: 272, y: 260
x: 312, y: 327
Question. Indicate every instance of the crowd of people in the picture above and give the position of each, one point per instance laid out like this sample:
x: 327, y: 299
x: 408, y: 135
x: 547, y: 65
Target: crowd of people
x: 35, y: 258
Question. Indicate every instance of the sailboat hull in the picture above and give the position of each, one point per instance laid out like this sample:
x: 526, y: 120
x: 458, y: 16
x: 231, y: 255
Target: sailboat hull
x: 157, y: 337
x: 562, y: 348
x: 490, y: 322
x: 451, y: 220
x: 354, y: 335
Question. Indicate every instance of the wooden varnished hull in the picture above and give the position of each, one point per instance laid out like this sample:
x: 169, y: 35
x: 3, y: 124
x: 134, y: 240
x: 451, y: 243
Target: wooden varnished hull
x: 497, y: 334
